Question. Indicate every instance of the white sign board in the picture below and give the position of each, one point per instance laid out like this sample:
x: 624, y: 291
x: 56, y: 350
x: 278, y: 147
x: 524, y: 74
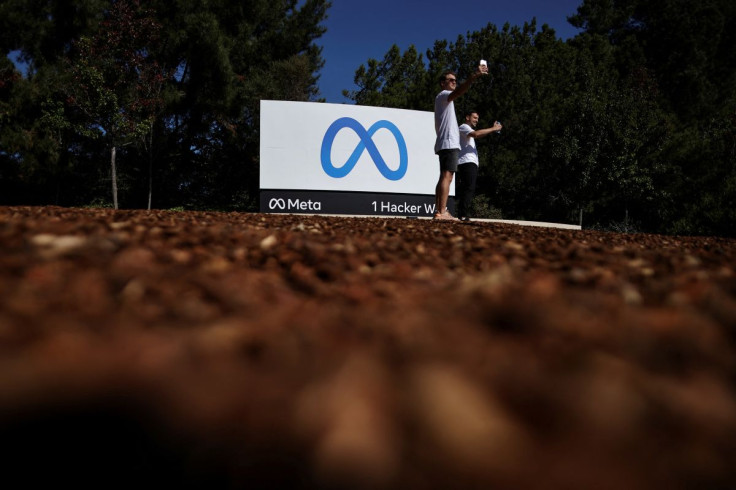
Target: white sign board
x: 337, y: 155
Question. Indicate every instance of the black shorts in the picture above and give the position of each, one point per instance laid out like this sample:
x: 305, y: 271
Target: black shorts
x: 448, y: 160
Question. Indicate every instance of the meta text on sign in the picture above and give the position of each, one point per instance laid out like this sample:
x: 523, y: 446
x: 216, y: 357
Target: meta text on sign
x: 279, y: 204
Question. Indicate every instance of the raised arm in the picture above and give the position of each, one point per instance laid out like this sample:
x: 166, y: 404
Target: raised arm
x: 462, y: 88
x: 485, y: 132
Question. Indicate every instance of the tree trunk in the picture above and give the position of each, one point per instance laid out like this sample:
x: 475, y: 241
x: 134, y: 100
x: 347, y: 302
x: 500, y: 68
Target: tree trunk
x: 150, y: 182
x: 114, y: 173
x: 150, y: 168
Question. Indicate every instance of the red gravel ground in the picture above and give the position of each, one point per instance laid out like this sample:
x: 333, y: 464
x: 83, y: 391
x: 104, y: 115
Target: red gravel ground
x: 214, y: 350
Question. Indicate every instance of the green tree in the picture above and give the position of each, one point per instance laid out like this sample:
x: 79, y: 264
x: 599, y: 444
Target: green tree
x: 38, y: 33
x: 114, y: 85
x: 687, y: 46
x: 686, y: 51
x: 43, y: 30
x: 225, y: 56
x: 608, y: 154
x: 399, y: 80
x: 9, y: 77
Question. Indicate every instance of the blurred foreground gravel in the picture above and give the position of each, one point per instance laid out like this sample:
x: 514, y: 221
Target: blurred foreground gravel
x: 228, y: 350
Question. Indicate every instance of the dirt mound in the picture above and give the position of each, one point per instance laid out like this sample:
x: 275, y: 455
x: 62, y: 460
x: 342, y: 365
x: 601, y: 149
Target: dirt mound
x: 243, y: 350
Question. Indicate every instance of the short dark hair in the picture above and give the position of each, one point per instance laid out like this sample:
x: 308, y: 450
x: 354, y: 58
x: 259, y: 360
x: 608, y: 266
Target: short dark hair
x: 443, y: 77
x: 470, y: 113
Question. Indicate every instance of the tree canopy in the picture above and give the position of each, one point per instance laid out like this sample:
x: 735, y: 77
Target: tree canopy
x: 630, y: 125
x: 173, y: 86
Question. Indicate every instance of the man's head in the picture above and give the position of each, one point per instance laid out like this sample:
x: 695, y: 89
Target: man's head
x: 448, y: 81
x: 471, y: 118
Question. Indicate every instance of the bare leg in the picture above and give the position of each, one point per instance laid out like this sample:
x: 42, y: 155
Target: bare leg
x: 442, y: 191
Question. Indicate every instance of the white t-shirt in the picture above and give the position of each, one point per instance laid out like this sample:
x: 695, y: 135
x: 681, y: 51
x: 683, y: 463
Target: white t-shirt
x: 468, y: 152
x: 445, y: 123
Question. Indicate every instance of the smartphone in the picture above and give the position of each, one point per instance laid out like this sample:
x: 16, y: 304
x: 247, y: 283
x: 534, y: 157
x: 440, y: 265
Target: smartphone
x: 483, y: 63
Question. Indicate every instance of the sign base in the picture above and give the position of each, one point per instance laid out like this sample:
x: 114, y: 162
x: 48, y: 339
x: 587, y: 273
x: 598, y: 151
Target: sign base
x: 349, y: 203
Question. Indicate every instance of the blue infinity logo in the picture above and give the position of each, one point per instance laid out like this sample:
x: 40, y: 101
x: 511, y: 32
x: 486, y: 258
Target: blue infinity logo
x: 366, y: 143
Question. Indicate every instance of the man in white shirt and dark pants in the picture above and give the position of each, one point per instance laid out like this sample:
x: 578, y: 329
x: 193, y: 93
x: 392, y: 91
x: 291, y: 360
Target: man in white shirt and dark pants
x: 467, y: 168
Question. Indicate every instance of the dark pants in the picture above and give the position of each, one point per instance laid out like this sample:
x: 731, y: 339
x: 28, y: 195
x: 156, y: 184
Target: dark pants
x: 465, y: 188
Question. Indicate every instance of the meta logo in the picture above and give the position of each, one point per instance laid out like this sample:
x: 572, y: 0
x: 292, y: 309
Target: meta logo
x: 366, y: 143
x: 278, y: 204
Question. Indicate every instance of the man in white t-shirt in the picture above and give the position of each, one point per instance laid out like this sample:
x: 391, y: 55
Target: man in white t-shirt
x: 468, y: 163
x: 447, y: 144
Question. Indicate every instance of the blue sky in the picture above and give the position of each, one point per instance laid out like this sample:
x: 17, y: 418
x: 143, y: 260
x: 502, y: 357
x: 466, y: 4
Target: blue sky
x: 359, y: 30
